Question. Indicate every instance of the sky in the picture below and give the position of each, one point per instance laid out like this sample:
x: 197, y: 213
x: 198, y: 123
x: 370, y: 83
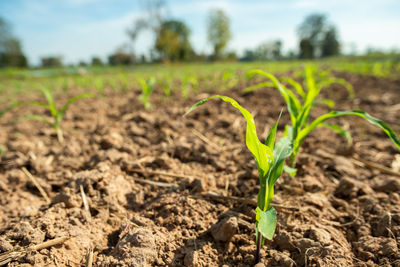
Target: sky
x: 80, y: 29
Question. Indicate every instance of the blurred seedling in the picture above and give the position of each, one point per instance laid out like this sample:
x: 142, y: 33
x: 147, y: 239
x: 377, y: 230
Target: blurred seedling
x: 270, y: 158
x: 57, y: 115
x: 3, y: 151
x: 189, y: 83
x: 300, y: 106
x: 166, y: 84
x: 229, y: 80
x: 147, y: 87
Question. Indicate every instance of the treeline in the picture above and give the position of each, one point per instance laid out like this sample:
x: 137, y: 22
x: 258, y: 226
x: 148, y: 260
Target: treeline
x: 11, y: 54
x: 318, y: 38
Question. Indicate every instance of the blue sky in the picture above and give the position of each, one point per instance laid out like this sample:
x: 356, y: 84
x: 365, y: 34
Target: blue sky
x: 80, y: 29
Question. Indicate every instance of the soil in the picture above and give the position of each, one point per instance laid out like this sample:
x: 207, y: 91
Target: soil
x: 149, y: 175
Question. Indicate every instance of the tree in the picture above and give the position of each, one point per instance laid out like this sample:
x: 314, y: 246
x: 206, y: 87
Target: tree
x: 82, y: 63
x: 51, y: 61
x: 276, y: 49
x: 269, y: 50
x: 249, y: 55
x: 154, y: 14
x: 172, y: 42
x: 218, y: 31
x: 316, y: 34
x: 263, y: 51
x: 11, y: 54
x: 96, y: 61
x: 121, y: 57
x: 330, y: 43
x: 306, y: 49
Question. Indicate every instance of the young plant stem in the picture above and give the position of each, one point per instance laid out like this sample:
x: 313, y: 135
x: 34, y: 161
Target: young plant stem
x: 258, y: 249
x: 60, y: 135
x: 292, y: 160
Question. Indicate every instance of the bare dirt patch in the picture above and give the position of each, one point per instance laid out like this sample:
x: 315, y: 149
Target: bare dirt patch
x: 148, y: 178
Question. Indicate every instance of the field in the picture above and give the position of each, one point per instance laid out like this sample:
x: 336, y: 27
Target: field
x: 136, y: 186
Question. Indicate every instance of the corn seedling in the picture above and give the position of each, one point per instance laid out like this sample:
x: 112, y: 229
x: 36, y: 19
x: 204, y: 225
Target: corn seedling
x: 2, y: 151
x: 300, y: 108
x: 189, y: 82
x: 56, y: 114
x: 270, y: 158
x: 166, y: 85
x: 229, y: 80
x: 147, y: 89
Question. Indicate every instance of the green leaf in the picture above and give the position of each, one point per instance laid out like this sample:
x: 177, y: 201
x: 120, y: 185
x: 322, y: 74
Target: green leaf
x: 327, y: 102
x: 52, y: 106
x: 266, y: 222
x: 262, y: 153
x: 312, y: 89
x: 43, y: 105
x: 288, y: 131
x: 293, y: 104
x: 259, y: 85
x: 270, y: 141
x: 340, y: 131
x: 292, y: 171
x: 37, y: 118
x: 282, y: 150
x: 297, y: 86
x: 360, y: 113
x: 302, y: 120
x: 143, y: 85
x: 151, y: 83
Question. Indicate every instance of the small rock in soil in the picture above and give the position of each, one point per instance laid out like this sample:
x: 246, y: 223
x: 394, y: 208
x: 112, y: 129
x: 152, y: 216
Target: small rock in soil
x: 134, y: 129
x: 225, y: 229
x: 351, y: 188
x: 140, y: 243
x: 344, y: 166
x: 198, y: 186
x: 311, y: 184
x: 372, y: 248
x: 282, y: 259
x: 183, y: 152
x: 396, y: 163
x: 387, y: 185
x: 64, y: 197
x: 370, y: 204
x: 319, y: 200
x: 384, y: 225
x: 112, y: 140
x: 305, y: 243
x: 320, y: 235
x: 283, y: 240
x: 5, y: 245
